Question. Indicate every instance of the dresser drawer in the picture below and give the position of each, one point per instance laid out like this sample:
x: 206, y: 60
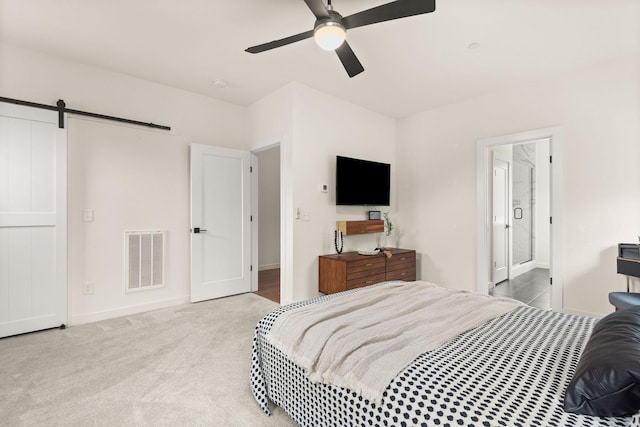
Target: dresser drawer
x: 365, y: 267
x: 366, y: 280
x: 408, y: 275
x: 401, y: 262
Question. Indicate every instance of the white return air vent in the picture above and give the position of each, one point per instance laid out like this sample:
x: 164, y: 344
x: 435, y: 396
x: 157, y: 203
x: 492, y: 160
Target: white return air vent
x: 144, y: 259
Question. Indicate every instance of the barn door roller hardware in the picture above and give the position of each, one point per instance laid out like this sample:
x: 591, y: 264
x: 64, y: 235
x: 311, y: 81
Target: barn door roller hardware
x: 61, y: 108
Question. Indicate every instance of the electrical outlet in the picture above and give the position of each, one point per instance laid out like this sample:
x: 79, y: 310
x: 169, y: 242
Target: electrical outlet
x: 87, y: 215
x: 88, y: 288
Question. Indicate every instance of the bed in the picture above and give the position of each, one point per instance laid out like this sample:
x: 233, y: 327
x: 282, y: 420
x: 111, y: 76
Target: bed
x: 512, y: 370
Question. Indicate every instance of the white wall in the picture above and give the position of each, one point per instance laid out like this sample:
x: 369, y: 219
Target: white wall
x: 315, y: 127
x: 323, y: 127
x: 433, y: 172
x: 269, y: 208
x: 599, y: 112
x: 132, y: 177
x: 270, y: 122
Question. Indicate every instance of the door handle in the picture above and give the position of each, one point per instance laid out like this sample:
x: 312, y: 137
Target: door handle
x: 198, y: 230
x: 507, y: 226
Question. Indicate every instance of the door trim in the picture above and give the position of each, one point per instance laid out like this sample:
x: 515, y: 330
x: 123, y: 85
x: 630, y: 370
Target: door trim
x: 255, y: 219
x: 286, y: 213
x: 554, y: 134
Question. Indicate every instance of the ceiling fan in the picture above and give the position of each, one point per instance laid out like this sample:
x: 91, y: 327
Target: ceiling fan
x: 330, y: 28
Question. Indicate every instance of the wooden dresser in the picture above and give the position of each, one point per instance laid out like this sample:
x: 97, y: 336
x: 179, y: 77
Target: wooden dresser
x: 351, y: 270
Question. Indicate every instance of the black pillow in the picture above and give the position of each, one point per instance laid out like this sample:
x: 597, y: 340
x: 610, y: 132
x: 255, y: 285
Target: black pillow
x: 607, y: 380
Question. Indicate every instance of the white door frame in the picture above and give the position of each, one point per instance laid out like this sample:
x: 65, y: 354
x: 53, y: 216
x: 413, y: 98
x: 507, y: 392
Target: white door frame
x: 483, y: 225
x: 255, y: 230
x: 255, y: 220
x: 286, y: 216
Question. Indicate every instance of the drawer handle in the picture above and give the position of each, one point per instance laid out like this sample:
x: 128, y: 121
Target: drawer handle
x: 402, y: 259
x: 368, y: 265
x: 368, y: 281
x: 403, y: 273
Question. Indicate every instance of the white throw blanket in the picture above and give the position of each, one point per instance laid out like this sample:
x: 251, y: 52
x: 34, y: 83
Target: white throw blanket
x: 361, y: 341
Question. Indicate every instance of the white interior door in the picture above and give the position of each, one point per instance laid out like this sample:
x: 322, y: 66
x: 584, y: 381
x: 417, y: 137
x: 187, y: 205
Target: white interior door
x: 220, y: 222
x: 500, y: 225
x: 33, y: 218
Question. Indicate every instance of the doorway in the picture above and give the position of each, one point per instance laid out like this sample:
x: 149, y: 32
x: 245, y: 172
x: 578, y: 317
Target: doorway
x: 268, y: 185
x: 530, y: 267
x: 524, y: 233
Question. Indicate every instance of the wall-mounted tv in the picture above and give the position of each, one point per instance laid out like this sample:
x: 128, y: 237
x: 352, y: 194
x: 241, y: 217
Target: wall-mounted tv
x: 362, y: 182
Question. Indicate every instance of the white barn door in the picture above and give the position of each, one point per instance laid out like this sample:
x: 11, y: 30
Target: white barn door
x: 33, y: 220
x: 220, y: 222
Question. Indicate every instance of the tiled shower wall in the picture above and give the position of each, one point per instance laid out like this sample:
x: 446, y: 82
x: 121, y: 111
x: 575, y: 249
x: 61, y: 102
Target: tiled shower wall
x: 523, y: 202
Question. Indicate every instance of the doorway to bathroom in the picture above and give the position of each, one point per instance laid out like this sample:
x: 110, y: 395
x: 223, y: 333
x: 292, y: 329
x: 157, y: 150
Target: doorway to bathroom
x: 518, y: 245
x: 520, y: 238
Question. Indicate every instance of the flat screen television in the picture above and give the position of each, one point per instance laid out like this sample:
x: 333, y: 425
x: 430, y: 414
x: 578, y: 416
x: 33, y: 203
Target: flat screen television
x: 362, y: 182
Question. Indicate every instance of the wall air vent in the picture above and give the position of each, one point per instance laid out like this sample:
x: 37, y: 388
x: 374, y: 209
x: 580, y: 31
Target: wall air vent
x: 144, y: 260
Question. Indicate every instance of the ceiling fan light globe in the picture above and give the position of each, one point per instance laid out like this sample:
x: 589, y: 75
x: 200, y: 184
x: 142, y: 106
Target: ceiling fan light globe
x: 329, y: 35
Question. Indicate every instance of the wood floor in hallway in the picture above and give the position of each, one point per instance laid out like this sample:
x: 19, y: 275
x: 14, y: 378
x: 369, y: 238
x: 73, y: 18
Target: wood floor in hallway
x: 269, y: 284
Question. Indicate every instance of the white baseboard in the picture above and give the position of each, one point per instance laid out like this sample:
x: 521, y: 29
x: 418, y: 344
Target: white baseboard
x: 268, y: 267
x: 519, y: 269
x: 127, y: 310
x: 285, y: 302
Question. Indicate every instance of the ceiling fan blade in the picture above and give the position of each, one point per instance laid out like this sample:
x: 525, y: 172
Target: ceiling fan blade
x: 387, y: 12
x: 349, y: 59
x: 318, y: 8
x: 282, y: 42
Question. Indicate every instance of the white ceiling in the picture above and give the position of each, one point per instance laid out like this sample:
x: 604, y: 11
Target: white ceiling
x: 411, y: 64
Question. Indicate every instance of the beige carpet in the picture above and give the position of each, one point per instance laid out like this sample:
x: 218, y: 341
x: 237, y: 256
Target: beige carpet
x: 182, y: 366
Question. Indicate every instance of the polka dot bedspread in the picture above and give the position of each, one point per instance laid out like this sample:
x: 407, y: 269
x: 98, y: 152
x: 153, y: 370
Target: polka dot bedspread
x: 510, y: 371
